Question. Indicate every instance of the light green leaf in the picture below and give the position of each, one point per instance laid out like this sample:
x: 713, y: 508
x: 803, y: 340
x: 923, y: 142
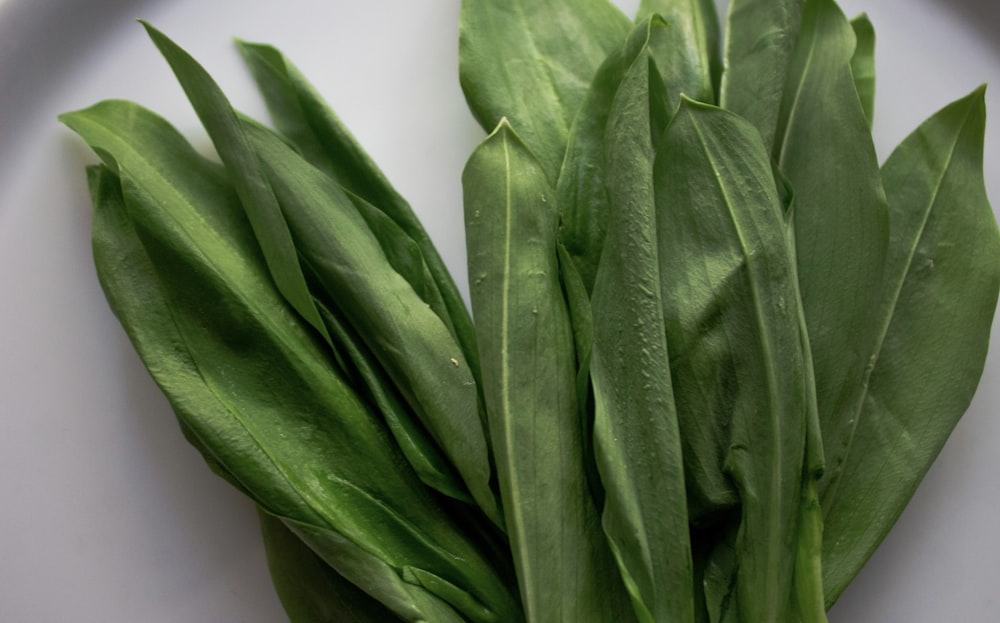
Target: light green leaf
x: 863, y: 64
x: 582, y: 186
x: 302, y: 116
x: 943, y: 275
x: 840, y: 220
x: 688, y: 56
x: 532, y: 62
x: 564, y: 566
x: 636, y: 437
x: 760, y: 36
x: 733, y: 327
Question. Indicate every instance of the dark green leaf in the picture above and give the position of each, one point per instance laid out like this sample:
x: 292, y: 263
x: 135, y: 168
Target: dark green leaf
x: 224, y: 127
x: 183, y: 276
x: 309, y: 589
x: 411, y: 343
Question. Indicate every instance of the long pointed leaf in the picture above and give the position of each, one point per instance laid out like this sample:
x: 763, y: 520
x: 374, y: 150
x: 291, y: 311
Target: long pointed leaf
x: 301, y: 115
x: 582, y: 186
x: 863, y: 64
x: 564, y: 566
x: 941, y: 293
x: 733, y: 326
x: 760, y: 36
x: 532, y: 62
x: 688, y: 57
x: 840, y: 220
x: 183, y: 276
x: 636, y: 435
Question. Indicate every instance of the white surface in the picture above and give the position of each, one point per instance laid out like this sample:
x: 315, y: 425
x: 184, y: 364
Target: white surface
x: 109, y: 516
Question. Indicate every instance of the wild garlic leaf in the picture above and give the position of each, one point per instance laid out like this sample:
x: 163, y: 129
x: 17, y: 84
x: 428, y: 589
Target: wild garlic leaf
x: 688, y: 56
x: 565, y: 569
x: 328, y: 235
x: 224, y: 128
x: 759, y: 38
x: 532, y: 62
x: 636, y: 437
x: 411, y: 343
x: 582, y: 186
x: 840, y: 219
x: 863, y: 64
x: 943, y: 275
x: 302, y: 116
x: 733, y: 327
x: 281, y: 421
x: 309, y: 589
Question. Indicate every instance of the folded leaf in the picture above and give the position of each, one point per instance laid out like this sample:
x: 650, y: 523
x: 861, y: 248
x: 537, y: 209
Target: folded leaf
x: 564, y: 566
x: 410, y: 341
x: 309, y: 589
x: 307, y: 121
x: 247, y: 377
x: 840, y: 220
x: 320, y: 223
x: 863, y: 64
x: 582, y: 185
x: 532, y: 61
x: 688, y: 57
x: 943, y: 275
x: 760, y: 37
x: 636, y: 437
x: 733, y: 327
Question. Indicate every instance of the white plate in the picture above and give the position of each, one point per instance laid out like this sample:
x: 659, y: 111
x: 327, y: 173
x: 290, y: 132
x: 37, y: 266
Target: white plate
x: 109, y: 516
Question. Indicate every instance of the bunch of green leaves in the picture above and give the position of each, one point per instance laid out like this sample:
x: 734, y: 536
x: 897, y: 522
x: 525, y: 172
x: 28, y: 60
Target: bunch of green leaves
x: 716, y: 346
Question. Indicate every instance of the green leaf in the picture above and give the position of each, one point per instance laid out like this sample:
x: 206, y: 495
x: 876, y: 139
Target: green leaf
x: 320, y: 223
x: 688, y: 56
x: 863, y: 64
x: 525, y: 339
x: 760, y: 37
x: 411, y: 343
x: 636, y: 438
x: 733, y: 327
x: 302, y: 116
x: 183, y: 274
x: 532, y: 62
x: 309, y: 589
x: 224, y: 128
x: 840, y: 220
x: 582, y: 186
x: 943, y: 275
